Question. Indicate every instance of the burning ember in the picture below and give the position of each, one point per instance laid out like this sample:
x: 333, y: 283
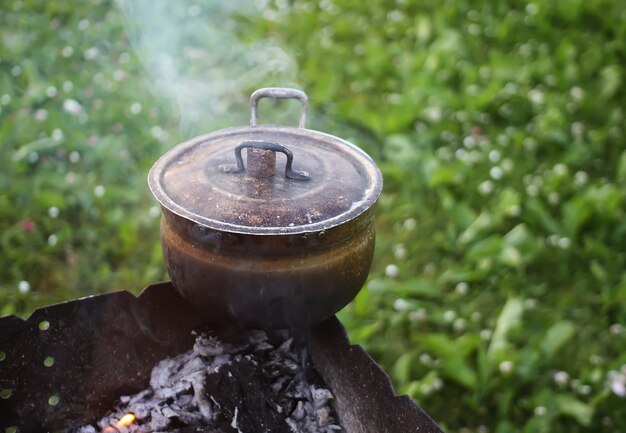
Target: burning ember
x: 124, y: 421
x: 251, y: 385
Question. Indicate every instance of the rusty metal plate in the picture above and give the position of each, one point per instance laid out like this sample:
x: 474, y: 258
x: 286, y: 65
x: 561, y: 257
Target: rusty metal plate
x: 104, y: 346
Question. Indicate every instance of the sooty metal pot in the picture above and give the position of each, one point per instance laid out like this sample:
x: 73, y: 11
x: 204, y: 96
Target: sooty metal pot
x: 269, y: 242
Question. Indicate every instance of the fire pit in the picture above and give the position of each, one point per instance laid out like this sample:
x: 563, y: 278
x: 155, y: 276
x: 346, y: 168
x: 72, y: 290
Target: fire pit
x: 68, y: 364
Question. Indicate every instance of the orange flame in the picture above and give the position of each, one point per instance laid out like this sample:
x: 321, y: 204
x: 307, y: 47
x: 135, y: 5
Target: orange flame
x: 125, y: 420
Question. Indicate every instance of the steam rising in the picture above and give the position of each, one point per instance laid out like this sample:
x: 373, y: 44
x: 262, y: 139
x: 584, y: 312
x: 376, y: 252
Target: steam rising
x: 197, y: 58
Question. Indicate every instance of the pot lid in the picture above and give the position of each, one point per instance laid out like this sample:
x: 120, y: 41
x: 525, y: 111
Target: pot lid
x: 288, y: 180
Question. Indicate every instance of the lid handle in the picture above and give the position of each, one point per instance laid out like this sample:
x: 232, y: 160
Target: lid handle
x: 266, y: 145
x: 278, y: 93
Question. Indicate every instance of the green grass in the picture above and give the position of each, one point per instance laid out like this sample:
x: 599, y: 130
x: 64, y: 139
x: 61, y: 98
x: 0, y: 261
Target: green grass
x: 498, y: 294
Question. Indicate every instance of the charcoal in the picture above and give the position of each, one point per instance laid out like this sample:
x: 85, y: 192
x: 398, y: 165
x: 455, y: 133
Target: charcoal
x: 243, y: 394
x: 246, y: 384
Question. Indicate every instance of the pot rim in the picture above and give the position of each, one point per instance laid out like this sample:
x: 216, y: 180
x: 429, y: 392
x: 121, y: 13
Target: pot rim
x: 370, y: 195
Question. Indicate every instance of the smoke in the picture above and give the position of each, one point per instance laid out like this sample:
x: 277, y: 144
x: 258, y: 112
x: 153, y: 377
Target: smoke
x: 198, y: 57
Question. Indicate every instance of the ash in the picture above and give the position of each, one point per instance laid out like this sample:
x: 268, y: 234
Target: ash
x: 252, y: 386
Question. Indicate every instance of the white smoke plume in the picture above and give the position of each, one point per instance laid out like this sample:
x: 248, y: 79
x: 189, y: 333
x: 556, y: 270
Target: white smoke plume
x: 198, y: 58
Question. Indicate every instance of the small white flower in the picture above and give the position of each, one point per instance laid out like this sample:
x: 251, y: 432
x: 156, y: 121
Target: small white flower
x: 52, y: 240
x: 68, y: 86
x: 433, y: 114
x: 399, y: 251
x: 531, y: 303
x: 496, y: 173
x: 99, y: 191
x: 51, y: 91
x: 595, y: 359
x: 72, y: 106
x: 541, y: 411
x: 23, y: 287
x: 392, y: 271
x: 514, y: 210
x: 67, y: 51
x: 124, y: 57
x: 135, y: 108
x: 617, y: 383
x: 576, y: 93
x: 449, y: 315
x: 532, y: 190
x: 53, y: 212
x: 564, y: 243
x: 155, y: 211
x: 530, y: 144
x: 469, y: 142
x: 459, y: 325
x: 41, y: 114
x: 560, y: 169
x: 577, y: 129
x: 483, y: 429
x: 409, y: 224
x: 461, y: 154
x: 494, y: 156
x: 426, y: 389
x: 462, y: 288
x: 616, y: 329
x: 74, y: 157
x: 33, y: 157
x: 70, y: 177
x: 5, y: 99
x: 394, y: 15
x: 581, y: 178
x: 486, y: 334
x: 532, y: 9
x: 418, y: 315
x: 158, y: 133
x: 506, y: 367
x: 507, y: 165
x: 536, y: 96
x: 485, y: 187
x: 426, y: 359
x: 430, y: 268
x: 401, y: 305
x: 83, y: 24
x: 444, y: 153
x: 554, y: 198
x: 57, y: 135
x: 91, y: 53
x: 560, y: 378
x: 584, y: 389
x: 472, y: 89
x: 476, y: 316
x: 437, y: 384
x: 119, y: 75
x: 16, y: 70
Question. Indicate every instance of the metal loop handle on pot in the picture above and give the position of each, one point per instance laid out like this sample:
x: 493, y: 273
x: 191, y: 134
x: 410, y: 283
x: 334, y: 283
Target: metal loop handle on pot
x: 266, y: 145
x: 278, y: 93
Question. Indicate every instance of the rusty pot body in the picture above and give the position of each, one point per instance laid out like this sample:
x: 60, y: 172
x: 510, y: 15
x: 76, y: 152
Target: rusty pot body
x: 268, y: 250
x: 274, y: 281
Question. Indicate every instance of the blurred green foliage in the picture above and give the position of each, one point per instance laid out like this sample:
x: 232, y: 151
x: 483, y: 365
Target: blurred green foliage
x: 498, y: 294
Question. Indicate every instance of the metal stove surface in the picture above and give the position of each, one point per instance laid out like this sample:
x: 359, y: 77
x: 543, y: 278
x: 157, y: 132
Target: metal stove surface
x: 68, y: 363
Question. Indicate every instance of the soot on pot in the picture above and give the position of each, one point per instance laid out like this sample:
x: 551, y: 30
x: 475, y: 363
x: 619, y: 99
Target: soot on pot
x: 250, y: 384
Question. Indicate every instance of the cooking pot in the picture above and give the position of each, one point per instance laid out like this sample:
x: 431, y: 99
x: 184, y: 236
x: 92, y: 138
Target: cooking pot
x: 267, y: 247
